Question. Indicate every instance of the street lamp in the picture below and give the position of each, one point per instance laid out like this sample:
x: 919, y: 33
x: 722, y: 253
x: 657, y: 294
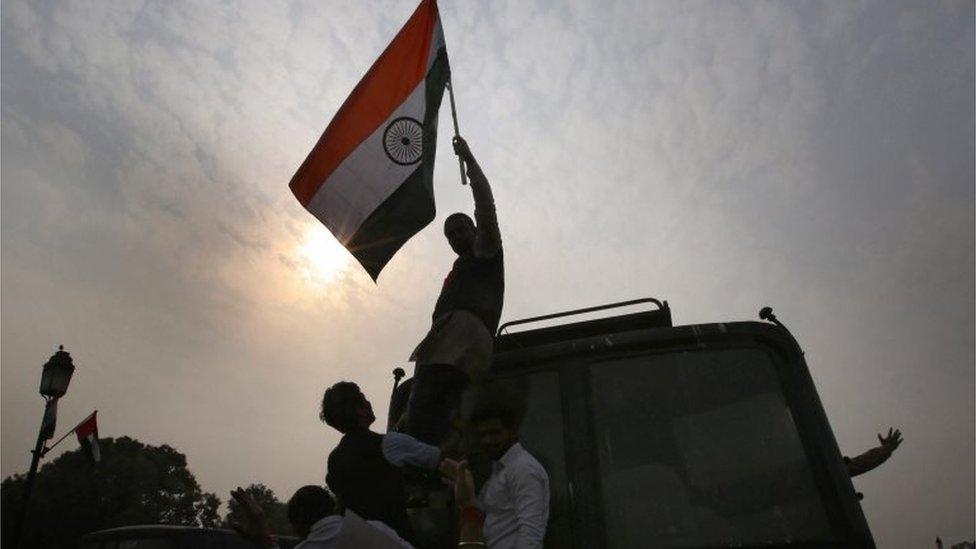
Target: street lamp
x: 54, y: 384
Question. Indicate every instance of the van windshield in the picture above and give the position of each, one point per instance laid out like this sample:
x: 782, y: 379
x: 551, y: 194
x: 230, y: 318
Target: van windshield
x: 699, y: 449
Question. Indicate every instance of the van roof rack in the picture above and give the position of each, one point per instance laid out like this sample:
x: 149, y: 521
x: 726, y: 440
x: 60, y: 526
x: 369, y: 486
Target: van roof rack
x: 655, y: 318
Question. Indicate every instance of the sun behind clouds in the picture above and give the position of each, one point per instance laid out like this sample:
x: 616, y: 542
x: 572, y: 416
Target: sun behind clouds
x: 322, y: 257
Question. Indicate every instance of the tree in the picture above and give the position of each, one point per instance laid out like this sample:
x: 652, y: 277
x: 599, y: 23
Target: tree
x: 134, y: 483
x: 275, y: 512
x: 207, y: 511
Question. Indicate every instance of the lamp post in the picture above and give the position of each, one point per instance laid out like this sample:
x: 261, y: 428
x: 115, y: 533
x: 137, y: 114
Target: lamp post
x: 54, y: 384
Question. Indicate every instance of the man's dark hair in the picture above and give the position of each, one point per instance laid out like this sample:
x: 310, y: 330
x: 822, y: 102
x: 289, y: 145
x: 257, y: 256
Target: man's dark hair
x: 309, y: 505
x: 459, y: 215
x: 339, y: 405
x: 506, y: 414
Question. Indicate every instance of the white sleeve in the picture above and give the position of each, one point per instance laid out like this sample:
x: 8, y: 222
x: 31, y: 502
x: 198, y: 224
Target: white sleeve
x: 400, y: 449
x: 382, y: 527
x: 530, y: 488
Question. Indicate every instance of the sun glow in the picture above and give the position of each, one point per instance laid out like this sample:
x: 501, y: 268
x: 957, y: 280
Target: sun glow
x: 322, y: 257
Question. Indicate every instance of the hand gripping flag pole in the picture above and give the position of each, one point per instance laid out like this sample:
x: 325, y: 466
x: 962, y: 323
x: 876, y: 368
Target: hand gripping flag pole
x: 457, y: 132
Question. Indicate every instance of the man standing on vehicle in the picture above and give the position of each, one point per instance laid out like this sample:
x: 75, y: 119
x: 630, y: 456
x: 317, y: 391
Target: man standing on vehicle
x: 458, y: 347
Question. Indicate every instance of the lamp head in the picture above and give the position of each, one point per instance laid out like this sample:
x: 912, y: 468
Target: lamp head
x: 57, y: 374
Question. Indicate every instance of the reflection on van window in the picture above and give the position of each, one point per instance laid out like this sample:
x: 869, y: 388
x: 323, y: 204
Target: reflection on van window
x: 700, y: 449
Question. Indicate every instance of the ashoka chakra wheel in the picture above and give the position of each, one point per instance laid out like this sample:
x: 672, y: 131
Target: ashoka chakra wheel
x: 403, y: 141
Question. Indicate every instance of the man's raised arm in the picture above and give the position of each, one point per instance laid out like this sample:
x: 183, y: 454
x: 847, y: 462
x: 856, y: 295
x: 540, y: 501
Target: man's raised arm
x: 858, y: 465
x: 488, y: 240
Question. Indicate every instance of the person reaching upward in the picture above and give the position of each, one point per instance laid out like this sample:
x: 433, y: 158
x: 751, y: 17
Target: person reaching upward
x: 457, y: 349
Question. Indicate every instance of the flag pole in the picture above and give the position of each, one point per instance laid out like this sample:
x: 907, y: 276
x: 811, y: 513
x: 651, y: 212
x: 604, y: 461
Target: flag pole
x: 73, y: 429
x: 457, y: 132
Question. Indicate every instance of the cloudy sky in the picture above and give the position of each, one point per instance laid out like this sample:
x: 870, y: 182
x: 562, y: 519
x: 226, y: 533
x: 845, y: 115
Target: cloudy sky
x: 816, y: 157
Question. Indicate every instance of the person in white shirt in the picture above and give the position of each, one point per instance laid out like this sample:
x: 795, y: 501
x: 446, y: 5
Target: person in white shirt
x: 515, y: 498
x: 313, y: 518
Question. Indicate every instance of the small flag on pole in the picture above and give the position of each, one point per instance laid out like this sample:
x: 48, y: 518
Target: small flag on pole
x: 87, y: 432
x: 369, y: 179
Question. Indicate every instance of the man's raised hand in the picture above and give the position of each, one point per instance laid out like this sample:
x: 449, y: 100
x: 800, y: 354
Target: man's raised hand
x: 255, y: 528
x: 448, y: 469
x: 458, y: 476
x: 891, y: 441
x: 462, y: 149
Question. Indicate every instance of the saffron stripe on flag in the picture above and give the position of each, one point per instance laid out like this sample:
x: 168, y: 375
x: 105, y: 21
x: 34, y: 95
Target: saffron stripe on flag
x: 392, y: 78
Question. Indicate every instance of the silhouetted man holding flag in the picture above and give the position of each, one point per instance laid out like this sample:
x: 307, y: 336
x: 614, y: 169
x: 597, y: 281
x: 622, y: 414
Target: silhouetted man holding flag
x: 369, y: 179
x: 458, y: 346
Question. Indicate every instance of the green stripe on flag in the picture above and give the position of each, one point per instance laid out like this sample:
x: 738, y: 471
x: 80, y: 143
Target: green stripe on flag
x: 411, y: 207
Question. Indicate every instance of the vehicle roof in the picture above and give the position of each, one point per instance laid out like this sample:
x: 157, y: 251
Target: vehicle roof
x: 530, y: 353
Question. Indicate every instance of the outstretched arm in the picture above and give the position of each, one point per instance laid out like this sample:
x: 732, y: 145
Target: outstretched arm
x: 488, y: 241
x: 401, y: 449
x: 874, y: 457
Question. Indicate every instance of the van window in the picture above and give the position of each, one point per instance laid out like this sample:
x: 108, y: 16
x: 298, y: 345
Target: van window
x: 699, y: 449
x: 541, y: 433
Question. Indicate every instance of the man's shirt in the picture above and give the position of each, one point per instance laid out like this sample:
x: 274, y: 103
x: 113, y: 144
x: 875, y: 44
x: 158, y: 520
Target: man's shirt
x: 324, y: 534
x: 476, y: 285
x: 515, y: 500
x: 364, y: 471
x: 476, y: 282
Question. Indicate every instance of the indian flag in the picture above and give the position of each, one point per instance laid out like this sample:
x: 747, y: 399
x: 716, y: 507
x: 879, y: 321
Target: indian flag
x: 369, y: 179
x: 87, y: 433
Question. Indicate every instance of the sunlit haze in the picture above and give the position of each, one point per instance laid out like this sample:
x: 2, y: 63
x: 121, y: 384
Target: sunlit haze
x: 322, y: 255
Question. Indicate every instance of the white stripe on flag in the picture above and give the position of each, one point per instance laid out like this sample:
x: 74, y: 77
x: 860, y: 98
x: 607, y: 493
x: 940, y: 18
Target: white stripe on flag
x: 366, y: 177
x: 93, y: 444
x: 436, y: 43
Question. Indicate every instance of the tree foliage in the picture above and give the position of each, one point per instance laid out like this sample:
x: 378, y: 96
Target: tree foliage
x: 207, y: 511
x: 134, y: 483
x: 275, y: 511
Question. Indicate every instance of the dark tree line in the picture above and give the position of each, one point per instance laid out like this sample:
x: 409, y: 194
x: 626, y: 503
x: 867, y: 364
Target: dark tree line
x: 134, y: 483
